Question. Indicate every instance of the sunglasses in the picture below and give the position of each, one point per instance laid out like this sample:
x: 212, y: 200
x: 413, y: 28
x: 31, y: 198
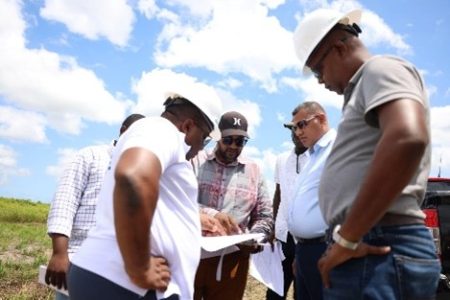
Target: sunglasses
x: 317, y: 68
x: 240, y: 141
x: 303, y: 123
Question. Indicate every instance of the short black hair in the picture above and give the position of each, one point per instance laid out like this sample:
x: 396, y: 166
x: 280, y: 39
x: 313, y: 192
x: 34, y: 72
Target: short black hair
x: 184, y: 108
x: 130, y: 120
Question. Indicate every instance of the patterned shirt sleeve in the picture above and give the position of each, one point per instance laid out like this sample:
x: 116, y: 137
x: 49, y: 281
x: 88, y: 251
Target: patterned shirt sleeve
x: 68, y: 195
x: 262, y: 214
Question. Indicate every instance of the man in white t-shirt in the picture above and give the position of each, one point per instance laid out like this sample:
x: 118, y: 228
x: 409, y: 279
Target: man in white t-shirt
x: 288, y: 166
x: 146, y: 242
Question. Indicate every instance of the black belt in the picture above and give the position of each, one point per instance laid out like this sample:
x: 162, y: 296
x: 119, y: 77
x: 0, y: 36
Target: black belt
x: 317, y: 240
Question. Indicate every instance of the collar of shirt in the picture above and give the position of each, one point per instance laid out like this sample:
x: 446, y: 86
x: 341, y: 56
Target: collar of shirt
x: 327, y: 138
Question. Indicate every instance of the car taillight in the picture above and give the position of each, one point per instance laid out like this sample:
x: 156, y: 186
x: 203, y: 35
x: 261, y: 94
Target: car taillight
x: 432, y: 222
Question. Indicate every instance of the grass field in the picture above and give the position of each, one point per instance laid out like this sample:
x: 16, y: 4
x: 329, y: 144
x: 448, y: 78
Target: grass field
x: 24, y: 245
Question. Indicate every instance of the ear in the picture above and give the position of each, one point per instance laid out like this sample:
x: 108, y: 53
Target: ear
x: 341, y: 48
x: 322, y: 118
x: 186, y: 125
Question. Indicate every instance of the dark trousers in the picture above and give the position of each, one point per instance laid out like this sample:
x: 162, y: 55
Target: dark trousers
x: 85, y: 285
x: 233, y: 280
x: 289, y: 252
x: 307, y: 280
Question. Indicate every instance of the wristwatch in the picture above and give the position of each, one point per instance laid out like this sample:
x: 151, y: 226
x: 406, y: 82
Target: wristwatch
x: 338, y: 239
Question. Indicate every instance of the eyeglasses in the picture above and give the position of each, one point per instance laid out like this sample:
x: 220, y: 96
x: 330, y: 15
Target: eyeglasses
x: 317, y: 69
x: 240, y: 141
x: 303, y: 123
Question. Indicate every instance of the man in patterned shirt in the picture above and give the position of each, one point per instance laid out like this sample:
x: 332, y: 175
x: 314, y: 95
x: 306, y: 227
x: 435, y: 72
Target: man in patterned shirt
x: 232, y: 190
x: 72, y: 211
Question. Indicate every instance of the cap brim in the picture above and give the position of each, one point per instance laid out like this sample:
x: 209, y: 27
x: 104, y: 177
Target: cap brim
x: 228, y: 132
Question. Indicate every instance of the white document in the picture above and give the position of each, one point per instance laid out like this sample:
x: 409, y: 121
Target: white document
x: 41, y: 279
x: 214, y: 243
x: 266, y: 267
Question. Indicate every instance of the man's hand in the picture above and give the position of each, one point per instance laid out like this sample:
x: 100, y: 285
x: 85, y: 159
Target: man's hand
x: 211, y: 226
x: 250, y: 247
x: 228, y: 223
x: 155, y: 277
x: 57, y: 270
x: 336, y: 255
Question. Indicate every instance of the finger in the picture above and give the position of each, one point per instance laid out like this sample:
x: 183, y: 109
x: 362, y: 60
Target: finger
x: 324, y: 272
x: 48, y: 275
x: 376, y: 250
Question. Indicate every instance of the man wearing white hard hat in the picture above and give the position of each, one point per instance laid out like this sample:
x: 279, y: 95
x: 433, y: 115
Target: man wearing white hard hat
x: 146, y: 243
x: 374, y: 180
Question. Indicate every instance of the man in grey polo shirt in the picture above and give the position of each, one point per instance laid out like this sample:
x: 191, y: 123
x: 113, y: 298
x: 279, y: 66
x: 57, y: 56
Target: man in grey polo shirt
x: 375, y: 177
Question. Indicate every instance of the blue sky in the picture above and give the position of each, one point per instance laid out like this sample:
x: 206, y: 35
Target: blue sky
x: 70, y: 71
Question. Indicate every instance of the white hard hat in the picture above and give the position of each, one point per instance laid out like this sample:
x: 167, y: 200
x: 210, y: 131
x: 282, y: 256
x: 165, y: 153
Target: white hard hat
x: 206, y: 99
x: 314, y: 27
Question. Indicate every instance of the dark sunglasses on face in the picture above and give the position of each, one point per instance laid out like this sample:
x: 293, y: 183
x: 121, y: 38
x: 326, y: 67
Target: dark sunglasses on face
x: 240, y: 141
x: 303, y: 123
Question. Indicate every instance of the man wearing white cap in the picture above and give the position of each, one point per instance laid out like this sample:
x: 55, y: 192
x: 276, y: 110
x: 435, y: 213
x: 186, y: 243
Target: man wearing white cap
x: 375, y: 177
x: 146, y: 242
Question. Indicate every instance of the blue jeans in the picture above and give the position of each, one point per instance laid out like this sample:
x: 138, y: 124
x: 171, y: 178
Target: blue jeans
x: 410, y: 271
x: 60, y: 296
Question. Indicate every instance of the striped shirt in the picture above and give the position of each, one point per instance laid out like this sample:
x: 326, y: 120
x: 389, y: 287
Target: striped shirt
x: 72, y: 212
x: 237, y: 189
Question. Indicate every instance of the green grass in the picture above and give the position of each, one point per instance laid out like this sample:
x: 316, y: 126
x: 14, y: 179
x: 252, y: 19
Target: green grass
x: 24, y: 245
x: 21, y: 211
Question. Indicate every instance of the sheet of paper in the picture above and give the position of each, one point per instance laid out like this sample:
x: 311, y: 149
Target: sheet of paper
x: 214, y: 243
x: 41, y: 279
x: 266, y: 267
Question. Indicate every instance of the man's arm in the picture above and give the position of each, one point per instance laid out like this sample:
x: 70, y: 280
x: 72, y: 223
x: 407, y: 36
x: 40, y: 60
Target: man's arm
x: 276, y: 201
x: 404, y: 138
x: 59, y: 262
x: 61, y: 215
x: 136, y: 190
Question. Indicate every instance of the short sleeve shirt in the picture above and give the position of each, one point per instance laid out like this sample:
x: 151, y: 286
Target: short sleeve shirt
x: 378, y: 81
x: 175, y: 229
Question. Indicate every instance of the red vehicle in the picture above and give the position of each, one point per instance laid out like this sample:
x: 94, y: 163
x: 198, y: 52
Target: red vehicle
x: 436, y: 206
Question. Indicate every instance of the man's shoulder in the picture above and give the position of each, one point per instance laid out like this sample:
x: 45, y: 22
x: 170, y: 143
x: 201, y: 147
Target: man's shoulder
x: 383, y: 62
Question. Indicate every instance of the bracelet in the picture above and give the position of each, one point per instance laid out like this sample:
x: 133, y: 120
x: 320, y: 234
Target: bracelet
x: 338, y: 239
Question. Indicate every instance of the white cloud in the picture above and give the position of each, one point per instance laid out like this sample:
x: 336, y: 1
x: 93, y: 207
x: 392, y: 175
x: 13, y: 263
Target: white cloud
x: 148, y: 8
x: 254, y: 43
x: 230, y: 83
x: 22, y: 125
x: 50, y: 84
x: 313, y: 91
x: 65, y: 156
x: 93, y: 19
x: 8, y: 165
x: 152, y: 87
x: 377, y: 32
